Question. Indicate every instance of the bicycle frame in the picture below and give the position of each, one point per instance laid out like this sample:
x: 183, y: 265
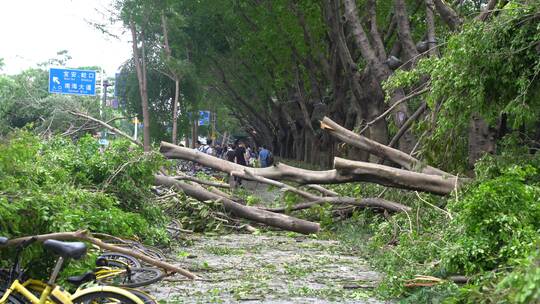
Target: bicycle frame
x: 46, y: 292
x: 106, y: 272
x: 59, y: 295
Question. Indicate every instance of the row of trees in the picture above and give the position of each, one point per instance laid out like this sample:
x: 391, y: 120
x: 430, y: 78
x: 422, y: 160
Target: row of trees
x: 280, y: 66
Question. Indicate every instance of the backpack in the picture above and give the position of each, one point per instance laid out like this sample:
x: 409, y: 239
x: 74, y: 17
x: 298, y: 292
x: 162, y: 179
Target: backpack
x: 270, y: 159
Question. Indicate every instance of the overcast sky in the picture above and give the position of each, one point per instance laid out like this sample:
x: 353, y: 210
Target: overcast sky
x: 32, y: 31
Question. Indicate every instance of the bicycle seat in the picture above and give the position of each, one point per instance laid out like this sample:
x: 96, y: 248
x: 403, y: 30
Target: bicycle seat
x: 75, y: 250
x: 3, y: 240
x: 83, y: 278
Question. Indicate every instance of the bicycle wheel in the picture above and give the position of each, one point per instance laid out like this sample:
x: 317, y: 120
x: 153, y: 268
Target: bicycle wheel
x: 123, y: 258
x: 143, y: 296
x: 138, y: 277
x: 153, y: 252
x: 106, y: 297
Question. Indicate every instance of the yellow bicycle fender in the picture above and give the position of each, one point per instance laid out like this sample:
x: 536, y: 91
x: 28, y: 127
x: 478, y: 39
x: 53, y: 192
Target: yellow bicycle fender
x: 112, y: 289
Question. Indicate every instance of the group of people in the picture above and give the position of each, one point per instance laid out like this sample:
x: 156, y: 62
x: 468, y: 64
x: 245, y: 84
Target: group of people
x: 239, y: 153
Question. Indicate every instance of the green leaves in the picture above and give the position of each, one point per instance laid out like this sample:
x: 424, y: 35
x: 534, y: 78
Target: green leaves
x: 490, y: 68
x: 52, y: 186
x: 498, y: 221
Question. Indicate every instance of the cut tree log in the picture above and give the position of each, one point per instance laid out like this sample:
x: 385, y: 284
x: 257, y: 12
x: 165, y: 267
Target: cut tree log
x: 254, y: 214
x: 400, y: 178
x: 84, y: 235
x: 366, y: 203
x: 401, y: 158
x: 302, y: 176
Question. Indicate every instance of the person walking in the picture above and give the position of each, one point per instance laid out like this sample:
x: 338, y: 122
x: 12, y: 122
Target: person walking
x: 239, y: 155
x: 207, y: 148
x: 264, y: 157
x: 230, y: 154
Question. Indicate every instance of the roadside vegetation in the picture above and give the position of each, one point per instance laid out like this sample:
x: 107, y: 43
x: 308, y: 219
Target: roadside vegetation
x: 478, y: 244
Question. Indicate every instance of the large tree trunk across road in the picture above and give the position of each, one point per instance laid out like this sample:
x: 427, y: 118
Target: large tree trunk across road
x: 251, y: 213
x: 377, y: 174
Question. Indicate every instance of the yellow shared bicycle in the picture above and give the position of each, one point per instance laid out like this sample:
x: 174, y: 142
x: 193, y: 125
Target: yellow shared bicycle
x: 38, y: 292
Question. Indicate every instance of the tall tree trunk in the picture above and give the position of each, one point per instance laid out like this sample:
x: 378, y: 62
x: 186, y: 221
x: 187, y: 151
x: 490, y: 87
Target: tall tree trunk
x: 140, y: 66
x: 404, y: 31
x: 430, y: 21
x: 173, y: 75
x: 175, y: 111
x: 194, y: 132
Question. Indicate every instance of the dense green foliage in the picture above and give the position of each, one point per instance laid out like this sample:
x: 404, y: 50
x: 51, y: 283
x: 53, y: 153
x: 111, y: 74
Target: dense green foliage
x: 490, y: 233
x: 56, y: 185
x: 488, y: 69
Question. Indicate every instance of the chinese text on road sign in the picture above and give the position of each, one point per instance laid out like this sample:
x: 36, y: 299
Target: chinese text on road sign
x: 69, y: 81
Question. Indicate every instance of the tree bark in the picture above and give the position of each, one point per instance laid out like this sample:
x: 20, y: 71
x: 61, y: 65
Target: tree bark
x: 376, y: 174
x: 140, y: 66
x: 254, y: 214
x: 398, y: 178
x: 174, y: 77
x: 482, y: 139
x: 408, y: 46
x: 487, y: 10
x: 175, y: 111
x: 403, y: 159
x: 378, y: 43
x: 449, y: 16
x: 430, y: 22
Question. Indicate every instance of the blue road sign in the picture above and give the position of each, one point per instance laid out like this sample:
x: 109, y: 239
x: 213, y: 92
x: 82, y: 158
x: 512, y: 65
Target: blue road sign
x: 70, y: 81
x: 204, y: 118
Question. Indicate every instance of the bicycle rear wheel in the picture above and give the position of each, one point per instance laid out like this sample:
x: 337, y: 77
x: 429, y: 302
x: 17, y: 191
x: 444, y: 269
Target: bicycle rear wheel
x: 123, y: 258
x: 139, y: 277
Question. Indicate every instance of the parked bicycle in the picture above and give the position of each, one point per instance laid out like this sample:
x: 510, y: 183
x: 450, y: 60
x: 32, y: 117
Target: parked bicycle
x: 20, y: 289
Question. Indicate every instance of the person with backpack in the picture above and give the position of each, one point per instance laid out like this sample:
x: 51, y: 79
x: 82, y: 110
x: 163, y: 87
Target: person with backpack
x: 230, y: 154
x: 265, y: 157
x: 207, y: 148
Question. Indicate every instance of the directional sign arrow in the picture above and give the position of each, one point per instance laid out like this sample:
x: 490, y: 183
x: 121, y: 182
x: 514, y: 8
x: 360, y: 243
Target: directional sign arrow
x: 55, y: 80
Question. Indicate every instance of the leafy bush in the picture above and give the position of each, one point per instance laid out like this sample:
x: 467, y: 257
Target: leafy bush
x: 57, y: 185
x: 497, y: 221
x: 489, y: 68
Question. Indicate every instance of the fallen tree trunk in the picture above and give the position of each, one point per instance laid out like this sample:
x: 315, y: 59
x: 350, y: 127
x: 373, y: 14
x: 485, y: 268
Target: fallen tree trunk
x: 394, y: 177
x: 276, y: 172
x: 84, y: 235
x: 303, y: 176
x: 254, y: 214
x: 366, y: 202
x: 401, y: 158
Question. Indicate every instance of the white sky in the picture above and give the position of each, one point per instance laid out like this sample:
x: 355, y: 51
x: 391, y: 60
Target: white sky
x: 33, y: 31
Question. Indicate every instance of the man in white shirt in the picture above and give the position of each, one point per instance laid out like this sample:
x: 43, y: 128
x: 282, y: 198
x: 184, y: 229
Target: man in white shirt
x: 207, y: 148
